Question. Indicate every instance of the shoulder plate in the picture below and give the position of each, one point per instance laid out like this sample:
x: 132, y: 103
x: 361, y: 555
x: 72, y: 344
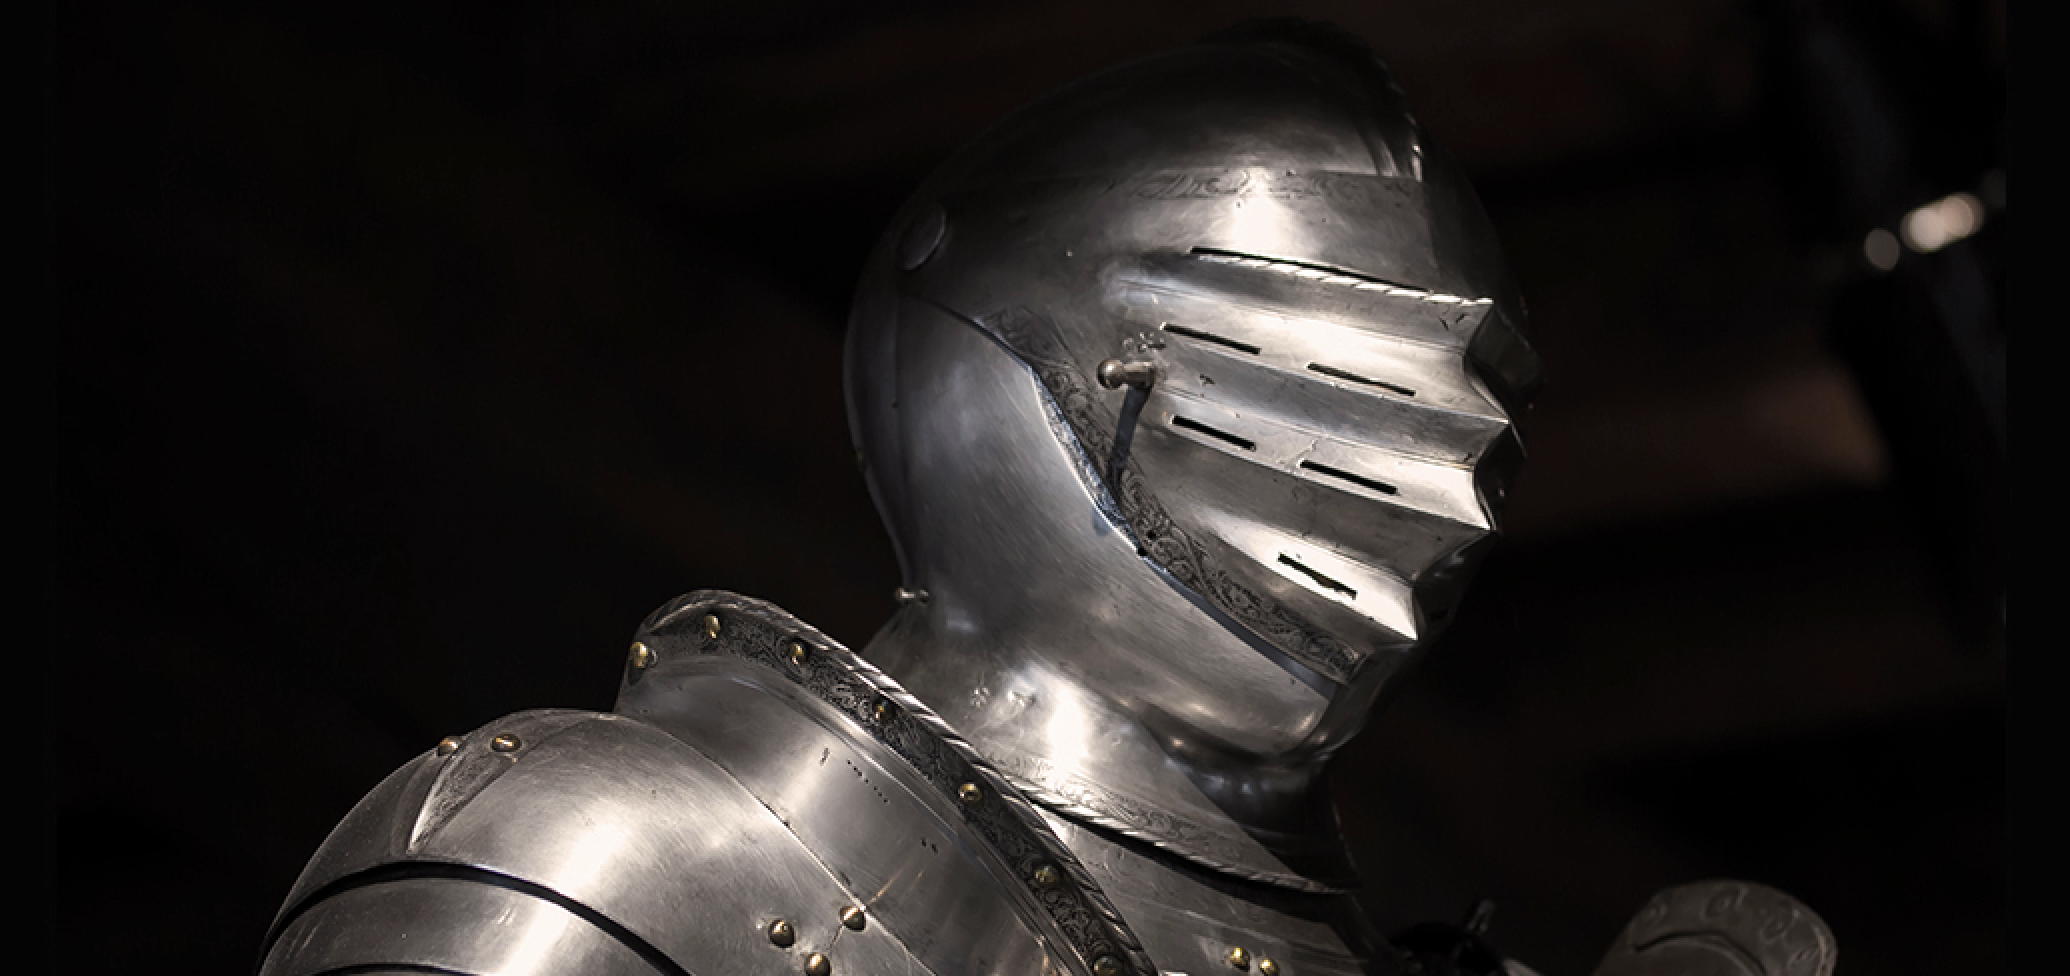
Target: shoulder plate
x: 568, y: 841
x: 763, y: 801
x: 884, y: 791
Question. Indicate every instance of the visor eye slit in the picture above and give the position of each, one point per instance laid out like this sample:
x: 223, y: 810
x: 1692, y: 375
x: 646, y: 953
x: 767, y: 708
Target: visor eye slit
x: 1320, y: 579
x: 1360, y: 480
x: 1224, y: 341
x: 1188, y: 423
x: 1347, y: 375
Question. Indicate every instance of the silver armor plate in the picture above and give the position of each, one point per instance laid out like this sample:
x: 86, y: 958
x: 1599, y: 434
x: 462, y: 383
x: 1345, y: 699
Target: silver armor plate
x: 564, y: 817
x: 1187, y: 396
x: 842, y: 812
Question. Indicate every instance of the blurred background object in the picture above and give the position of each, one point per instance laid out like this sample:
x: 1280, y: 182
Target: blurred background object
x: 410, y: 354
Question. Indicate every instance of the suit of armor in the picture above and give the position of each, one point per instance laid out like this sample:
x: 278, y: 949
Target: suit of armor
x: 1187, y: 396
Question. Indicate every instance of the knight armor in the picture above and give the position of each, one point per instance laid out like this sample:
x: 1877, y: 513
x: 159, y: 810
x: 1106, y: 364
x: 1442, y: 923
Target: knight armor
x: 1187, y: 395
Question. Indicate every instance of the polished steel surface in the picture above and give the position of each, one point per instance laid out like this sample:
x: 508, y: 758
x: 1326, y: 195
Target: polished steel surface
x: 608, y: 816
x: 448, y: 925
x: 917, y: 872
x: 1187, y: 395
x: 1722, y: 928
x: 944, y: 852
x: 1193, y: 922
x: 1050, y: 723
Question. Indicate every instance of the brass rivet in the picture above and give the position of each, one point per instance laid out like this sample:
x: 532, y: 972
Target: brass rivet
x: 1106, y: 966
x: 505, y: 743
x: 817, y: 965
x: 1239, y: 958
x: 781, y: 934
x: 449, y: 745
x: 854, y: 918
x: 797, y: 650
x: 711, y: 626
x: 1268, y: 967
x: 885, y: 710
x: 642, y: 656
x: 970, y: 793
x: 1048, y: 876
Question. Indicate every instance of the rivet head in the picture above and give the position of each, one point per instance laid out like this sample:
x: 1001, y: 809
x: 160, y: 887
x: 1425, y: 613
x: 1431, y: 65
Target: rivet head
x: 449, y: 745
x: 641, y: 656
x: 781, y: 934
x: 1048, y: 876
x: 818, y: 965
x: 854, y: 918
x: 711, y: 626
x: 1239, y: 957
x: 505, y: 743
x: 970, y: 793
x: 1267, y: 967
x: 797, y: 652
x: 1106, y: 966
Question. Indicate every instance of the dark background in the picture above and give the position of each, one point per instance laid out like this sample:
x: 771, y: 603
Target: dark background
x: 410, y: 353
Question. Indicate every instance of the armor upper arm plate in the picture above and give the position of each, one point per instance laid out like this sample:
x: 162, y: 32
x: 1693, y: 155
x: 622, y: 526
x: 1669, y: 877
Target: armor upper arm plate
x: 763, y: 801
x: 564, y: 841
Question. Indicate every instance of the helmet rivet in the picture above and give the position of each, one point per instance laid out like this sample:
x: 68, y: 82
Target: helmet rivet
x: 1047, y: 876
x: 854, y: 918
x: 505, y: 743
x: 1117, y: 373
x: 1106, y: 966
x: 449, y: 745
x: 1268, y: 967
x: 781, y: 934
x: 970, y: 793
x: 641, y: 656
x: 711, y: 626
x: 796, y: 651
x: 818, y: 965
x: 1239, y: 958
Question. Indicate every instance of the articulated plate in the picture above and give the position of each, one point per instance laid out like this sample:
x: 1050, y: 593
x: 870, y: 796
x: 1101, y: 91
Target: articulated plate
x: 449, y: 924
x: 560, y: 833
x: 942, y: 847
x: 1194, y: 922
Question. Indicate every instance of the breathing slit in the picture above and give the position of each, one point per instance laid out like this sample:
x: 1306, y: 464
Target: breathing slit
x: 1355, y: 378
x: 1360, y: 480
x: 1211, y: 337
x: 1323, y: 581
x: 1221, y: 435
